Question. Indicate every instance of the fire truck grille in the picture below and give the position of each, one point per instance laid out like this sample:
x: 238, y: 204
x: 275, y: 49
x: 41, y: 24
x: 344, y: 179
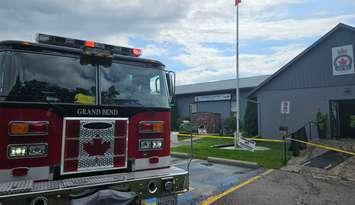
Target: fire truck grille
x: 94, y: 144
x: 106, y: 137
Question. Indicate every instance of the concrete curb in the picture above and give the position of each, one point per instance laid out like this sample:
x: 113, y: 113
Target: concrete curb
x: 180, y: 155
x: 233, y: 162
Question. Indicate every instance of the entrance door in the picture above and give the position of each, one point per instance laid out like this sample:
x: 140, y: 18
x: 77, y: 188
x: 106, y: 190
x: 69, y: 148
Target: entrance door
x: 347, y: 118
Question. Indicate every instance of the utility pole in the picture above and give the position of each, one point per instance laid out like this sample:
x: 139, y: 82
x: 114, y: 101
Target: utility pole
x: 237, y: 135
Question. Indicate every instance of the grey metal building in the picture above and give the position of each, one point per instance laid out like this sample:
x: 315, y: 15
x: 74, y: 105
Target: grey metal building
x: 215, y: 97
x: 319, y: 79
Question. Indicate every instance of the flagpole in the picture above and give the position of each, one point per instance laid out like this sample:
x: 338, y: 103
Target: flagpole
x: 237, y: 74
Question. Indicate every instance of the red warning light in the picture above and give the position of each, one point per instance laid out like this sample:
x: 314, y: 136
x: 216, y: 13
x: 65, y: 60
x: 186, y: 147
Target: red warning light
x: 136, y: 52
x: 90, y: 44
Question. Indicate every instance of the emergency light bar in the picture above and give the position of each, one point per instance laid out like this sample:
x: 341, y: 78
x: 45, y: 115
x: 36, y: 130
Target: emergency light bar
x: 81, y: 44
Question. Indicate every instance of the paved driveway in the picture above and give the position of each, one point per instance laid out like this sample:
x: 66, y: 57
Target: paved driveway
x: 207, y: 179
x: 283, y: 187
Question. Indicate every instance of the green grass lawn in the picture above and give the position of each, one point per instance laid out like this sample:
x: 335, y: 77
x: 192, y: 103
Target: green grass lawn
x: 269, y: 158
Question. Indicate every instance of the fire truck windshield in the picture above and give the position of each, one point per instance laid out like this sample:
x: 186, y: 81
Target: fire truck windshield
x: 129, y: 84
x: 38, y: 77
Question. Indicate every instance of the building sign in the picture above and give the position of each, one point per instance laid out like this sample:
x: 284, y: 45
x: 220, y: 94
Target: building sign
x: 204, y: 98
x: 246, y: 143
x: 343, y: 60
x: 285, y: 107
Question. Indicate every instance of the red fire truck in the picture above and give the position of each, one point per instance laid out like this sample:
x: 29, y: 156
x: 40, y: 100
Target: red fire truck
x: 83, y: 122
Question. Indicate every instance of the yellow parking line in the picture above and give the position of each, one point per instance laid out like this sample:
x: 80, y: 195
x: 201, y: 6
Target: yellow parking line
x: 212, y: 199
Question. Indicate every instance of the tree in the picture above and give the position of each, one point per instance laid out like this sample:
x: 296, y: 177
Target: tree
x: 251, y: 119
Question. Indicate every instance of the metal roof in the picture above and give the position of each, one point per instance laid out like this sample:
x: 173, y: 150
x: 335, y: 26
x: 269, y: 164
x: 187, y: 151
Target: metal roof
x: 298, y: 57
x: 230, y: 84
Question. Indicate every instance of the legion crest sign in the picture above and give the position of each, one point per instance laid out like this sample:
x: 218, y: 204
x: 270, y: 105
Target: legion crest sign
x: 343, y: 60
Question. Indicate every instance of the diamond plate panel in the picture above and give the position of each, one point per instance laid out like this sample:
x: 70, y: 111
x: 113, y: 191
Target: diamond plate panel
x: 16, y: 187
x: 49, y: 185
x: 92, y: 180
x: 96, y: 147
x: 94, y: 144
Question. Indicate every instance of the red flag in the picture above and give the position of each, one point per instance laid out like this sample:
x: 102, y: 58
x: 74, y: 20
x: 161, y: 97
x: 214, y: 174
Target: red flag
x: 237, y: 2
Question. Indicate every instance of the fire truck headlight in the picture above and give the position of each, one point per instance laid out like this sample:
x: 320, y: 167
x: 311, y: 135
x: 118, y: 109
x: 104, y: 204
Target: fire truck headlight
x: 17, y: 151
x: 150, y: 144
x: 157, y: 144
x: 27, y: 150
x: 37, y: 150
x: 144, y: 144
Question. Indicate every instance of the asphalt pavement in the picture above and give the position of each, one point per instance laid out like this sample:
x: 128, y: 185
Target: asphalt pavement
x: 208, y: 179
x: 283, y: 187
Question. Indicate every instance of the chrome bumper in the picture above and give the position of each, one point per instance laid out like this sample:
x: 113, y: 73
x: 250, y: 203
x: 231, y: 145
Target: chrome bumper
x: 132, y: 181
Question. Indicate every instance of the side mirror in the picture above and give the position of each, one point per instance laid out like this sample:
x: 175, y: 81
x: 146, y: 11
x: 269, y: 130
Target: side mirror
x: 170, y: 77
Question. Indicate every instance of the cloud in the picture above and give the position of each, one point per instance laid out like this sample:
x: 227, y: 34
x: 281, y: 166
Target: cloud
x: 207, y: 24
x: 87, y: 19
x: 289, y: 29
x: 153, y: 50
x: 250, y: 65
x: 165, y: 24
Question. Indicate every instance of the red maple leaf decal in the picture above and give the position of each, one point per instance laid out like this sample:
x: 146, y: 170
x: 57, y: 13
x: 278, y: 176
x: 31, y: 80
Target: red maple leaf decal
x: 343, y: 61
x: 96, y: 147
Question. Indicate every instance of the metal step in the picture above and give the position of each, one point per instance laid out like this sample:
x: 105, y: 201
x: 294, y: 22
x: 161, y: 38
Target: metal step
x: 16, y: 187
x: 29, y: 187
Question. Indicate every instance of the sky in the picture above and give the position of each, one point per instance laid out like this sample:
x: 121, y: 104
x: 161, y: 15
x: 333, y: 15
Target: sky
x: 194, y: 38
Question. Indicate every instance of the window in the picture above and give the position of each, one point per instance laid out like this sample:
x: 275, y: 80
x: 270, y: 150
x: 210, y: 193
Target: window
x: 285, y: 107
x: 133, y: 85
x: 155, y: 85
x: 39, y: 77
x: 34, y: 77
